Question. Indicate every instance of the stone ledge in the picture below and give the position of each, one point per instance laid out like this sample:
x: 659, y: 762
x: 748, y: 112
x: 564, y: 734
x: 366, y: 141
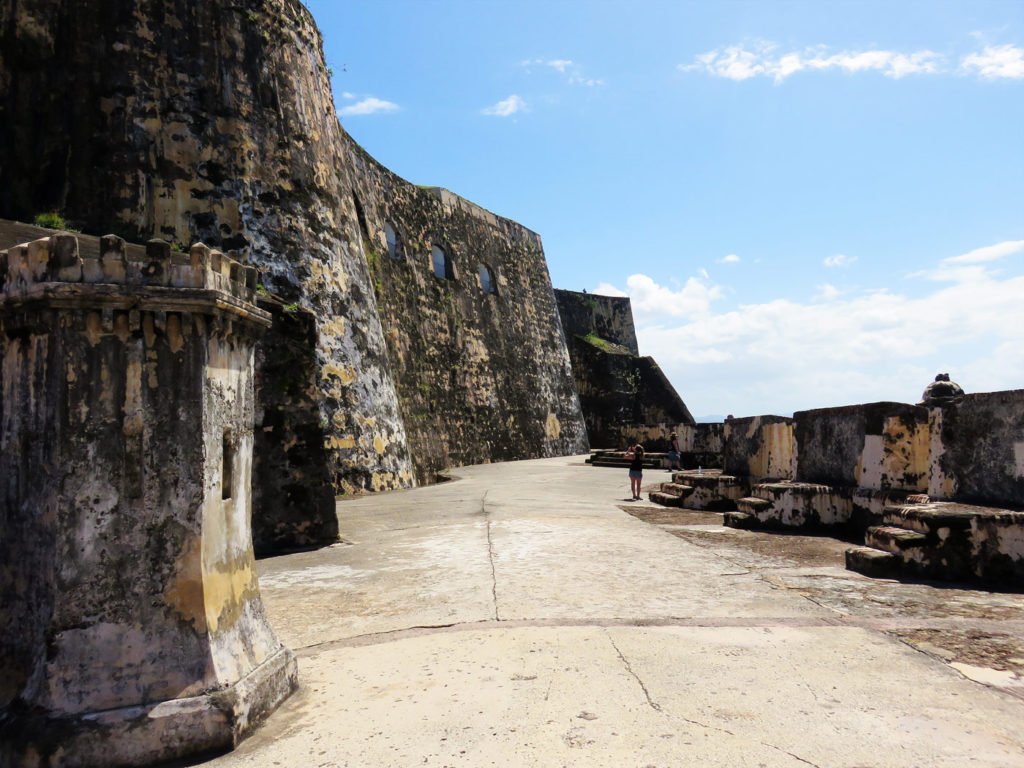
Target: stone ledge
x: 114, y: 298
x: 140, y: 735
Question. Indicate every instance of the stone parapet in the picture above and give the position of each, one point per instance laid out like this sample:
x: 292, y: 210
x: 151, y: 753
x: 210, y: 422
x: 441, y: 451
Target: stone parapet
x: 32, y: 269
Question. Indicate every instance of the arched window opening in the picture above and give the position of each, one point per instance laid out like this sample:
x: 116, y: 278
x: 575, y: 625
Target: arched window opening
x: 442, y: 263
x: 487, y: 282
x: 392, y: 237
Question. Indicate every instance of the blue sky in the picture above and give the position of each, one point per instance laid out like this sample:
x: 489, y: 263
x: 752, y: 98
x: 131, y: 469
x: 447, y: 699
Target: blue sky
x: 811, y: 204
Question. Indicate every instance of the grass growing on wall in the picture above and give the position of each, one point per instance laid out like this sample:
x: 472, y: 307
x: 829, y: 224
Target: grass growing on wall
x: 604, y: 345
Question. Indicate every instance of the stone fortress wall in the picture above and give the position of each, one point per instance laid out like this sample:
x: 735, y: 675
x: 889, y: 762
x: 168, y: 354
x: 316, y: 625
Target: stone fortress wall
x: 625, y: 398
x: 474, y: 342
x: 214, y: 122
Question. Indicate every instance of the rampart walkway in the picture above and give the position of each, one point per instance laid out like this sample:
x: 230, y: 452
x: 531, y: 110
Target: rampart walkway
x: 519, y: 617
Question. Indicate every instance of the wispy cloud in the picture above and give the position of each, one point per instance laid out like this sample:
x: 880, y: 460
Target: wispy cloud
x: 988, y: 253
x: 995, y: 62
x: 367, y: 106
x: 732, y: 258
x: 836, y: 347
x: 765, y: 59
x: 970, y: 267
x: 762, y: 59
x: 839, y: 260
x: 572, y: 71
x: 506, y: 107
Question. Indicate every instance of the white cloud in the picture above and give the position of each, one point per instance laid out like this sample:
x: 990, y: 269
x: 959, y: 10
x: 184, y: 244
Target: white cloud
x: 839, y: 260
x: 651, y: 300
x: 506, y: 107
x: 560, y: 64
x: 739, y: 62
x: 837, y: 348
x: 969, y: 267
x: 732, y: 258
x: 607, y: 289
x: 368, y: 106
x: 827, y: 292
x: 347, y: 95
x: 988, y: 253
x: 995, y: 61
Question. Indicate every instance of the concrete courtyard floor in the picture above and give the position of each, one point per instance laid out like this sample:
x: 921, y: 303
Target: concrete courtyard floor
x: 520, y: 616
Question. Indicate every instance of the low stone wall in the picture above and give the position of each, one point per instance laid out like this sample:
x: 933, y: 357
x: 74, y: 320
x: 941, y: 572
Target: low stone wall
x: 977, y: 449
x: 877, y: 445
x: 760, y: 447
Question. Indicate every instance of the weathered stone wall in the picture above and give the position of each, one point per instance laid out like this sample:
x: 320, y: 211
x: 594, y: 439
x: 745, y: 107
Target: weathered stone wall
x: 977, y: 449
x: 209, y: 121
x: 607, y: 317
x: 127, y: 574
x: 760, y: 447
x: 214, y: 122
x: 621, y: 393
x: 293, y: 490
x: 478, y: 355
x: 877, y: 445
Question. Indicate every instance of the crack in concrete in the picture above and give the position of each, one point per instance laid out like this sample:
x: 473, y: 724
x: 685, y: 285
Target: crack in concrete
x: 705, y: 726
x: 490, y: 555
x: 786, y: 752
x: 629, y: 668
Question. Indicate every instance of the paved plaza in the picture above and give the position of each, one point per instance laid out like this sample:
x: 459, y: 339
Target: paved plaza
x: 528, y: 614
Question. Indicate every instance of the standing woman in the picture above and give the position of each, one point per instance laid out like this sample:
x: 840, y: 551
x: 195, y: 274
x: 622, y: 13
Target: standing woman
x: 636, y: 469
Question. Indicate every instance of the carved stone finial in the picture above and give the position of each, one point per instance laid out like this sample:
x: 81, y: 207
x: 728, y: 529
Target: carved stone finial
x: 942, y: 391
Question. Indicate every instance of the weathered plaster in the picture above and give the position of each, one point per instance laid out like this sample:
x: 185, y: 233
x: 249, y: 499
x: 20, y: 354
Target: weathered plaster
x: 126, y: 578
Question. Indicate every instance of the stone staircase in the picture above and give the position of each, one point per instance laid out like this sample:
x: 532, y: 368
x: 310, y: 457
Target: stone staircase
x: 944, y: 540
x: 700, y: 489
x: 791, y: 504
x: 671, y: 494
x: 609, y: 458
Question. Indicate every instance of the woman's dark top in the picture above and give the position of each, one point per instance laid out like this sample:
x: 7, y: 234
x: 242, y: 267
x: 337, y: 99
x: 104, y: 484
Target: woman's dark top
x: 637, y: 463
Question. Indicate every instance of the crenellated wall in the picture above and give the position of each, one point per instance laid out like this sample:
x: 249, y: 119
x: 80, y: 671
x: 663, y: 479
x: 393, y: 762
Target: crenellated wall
x: 970, y: 449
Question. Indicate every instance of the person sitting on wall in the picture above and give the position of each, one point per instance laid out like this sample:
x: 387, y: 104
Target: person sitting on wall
x: 635, y: 454
x: 674, y: 454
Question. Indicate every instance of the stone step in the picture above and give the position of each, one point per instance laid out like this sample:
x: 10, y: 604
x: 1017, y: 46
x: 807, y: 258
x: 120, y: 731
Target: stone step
x: 706, y: 478
x: 676, y: 489
x: 872, y: 562
x: 666, y: 499
x: 741, y: 520
x: 751, y: 505
x: 930, y: 517
x: 894, y: 539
